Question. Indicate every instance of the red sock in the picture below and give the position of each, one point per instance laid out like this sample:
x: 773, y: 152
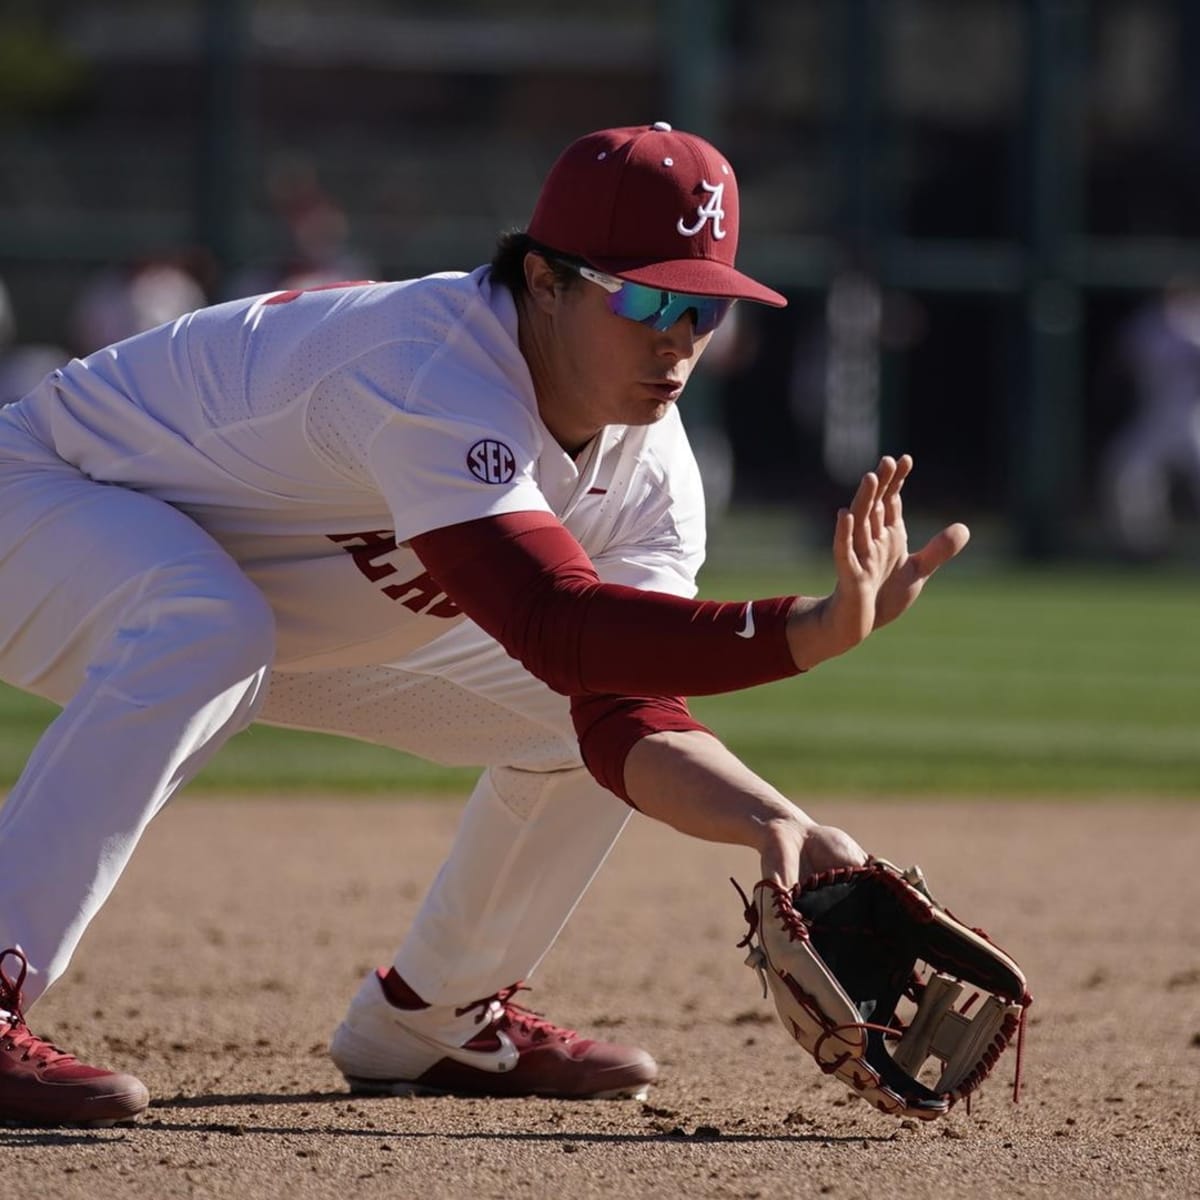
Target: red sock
x: 397, y: 991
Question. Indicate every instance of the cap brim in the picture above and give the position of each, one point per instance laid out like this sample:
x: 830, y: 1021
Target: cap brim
x: 698, y: 276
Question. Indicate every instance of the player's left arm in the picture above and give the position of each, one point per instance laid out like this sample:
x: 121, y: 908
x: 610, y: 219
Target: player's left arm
x: 691, y: 781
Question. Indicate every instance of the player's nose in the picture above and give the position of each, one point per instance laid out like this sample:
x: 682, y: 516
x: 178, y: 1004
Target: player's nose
x: 679, y: 341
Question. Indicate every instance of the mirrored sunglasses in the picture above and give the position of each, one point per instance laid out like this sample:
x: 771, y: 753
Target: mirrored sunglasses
x: 652, y: 306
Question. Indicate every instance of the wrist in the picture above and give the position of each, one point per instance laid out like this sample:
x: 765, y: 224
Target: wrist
x: 815, y: 632
x: 781, y: 841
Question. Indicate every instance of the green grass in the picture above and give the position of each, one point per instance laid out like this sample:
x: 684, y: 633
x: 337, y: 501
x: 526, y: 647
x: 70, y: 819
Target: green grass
x: 1014, y: 683
x: 1073, y: 682
x: 260, y: 759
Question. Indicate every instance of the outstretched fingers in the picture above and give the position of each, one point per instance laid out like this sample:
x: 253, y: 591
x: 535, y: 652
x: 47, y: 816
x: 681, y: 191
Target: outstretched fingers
x: 862, y: 510
x: 844, y: 557
x: 865, y: 497
x: 869, y: 536
x: 940, y: 549
x: 893, y: 510
x: 876, y: 506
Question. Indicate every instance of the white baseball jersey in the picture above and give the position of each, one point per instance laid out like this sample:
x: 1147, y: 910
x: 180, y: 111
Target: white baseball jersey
x: 310, y: 432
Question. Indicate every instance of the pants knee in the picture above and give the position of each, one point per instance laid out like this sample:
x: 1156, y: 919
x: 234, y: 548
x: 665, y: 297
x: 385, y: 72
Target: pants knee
x: 245, y: 627
x: 234, y: 641
x: 194, y: 643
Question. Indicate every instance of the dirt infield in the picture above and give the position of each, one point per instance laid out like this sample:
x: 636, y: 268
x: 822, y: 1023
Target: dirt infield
x: 224, y: 960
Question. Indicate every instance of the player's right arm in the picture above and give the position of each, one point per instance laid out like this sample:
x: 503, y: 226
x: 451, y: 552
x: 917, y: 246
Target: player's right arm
x: 526, y: 581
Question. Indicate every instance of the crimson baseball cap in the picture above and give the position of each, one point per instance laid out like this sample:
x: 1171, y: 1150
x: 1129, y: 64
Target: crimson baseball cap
x: 649, y: 204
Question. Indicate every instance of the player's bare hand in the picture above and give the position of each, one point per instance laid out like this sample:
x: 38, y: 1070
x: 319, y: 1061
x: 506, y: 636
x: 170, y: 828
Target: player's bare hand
x: 795, y: 850
x: 877, y: 578
x: 827, y: 847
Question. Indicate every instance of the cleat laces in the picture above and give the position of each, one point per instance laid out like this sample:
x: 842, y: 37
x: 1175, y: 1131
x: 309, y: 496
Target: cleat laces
x: 500, y: 1010
x: 14, y: 1033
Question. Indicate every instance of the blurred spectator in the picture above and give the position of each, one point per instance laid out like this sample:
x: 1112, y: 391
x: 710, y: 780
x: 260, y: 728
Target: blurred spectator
x: 22, y: 367
x: 317, y: 233
x: 835, y: 389
x: 122, y: 301
x: 1158, y: 352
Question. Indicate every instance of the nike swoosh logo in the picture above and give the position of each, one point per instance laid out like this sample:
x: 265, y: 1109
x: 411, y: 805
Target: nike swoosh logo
x: 747, y: 629
x: 502, y: 1059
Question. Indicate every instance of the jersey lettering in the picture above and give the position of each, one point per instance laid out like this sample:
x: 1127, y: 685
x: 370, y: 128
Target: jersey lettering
x: 429, y: 599
x: 370, y: 549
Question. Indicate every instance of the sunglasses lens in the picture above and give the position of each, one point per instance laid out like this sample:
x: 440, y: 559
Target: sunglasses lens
x: 710, y: 312
x: 661, y: 310
x: 638, y: 303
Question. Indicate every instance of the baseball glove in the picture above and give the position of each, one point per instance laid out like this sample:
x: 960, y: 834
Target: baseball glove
x: 843, y: 951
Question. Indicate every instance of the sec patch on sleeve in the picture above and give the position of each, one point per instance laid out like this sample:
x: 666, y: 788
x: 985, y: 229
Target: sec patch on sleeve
x: 491, y: 461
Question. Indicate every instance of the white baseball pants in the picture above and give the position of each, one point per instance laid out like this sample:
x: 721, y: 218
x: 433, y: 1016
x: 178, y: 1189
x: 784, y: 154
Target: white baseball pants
x: 159, y: 648
x: 533, y: 834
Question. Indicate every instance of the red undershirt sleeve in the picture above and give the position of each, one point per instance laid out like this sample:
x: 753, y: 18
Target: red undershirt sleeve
x: 608, y: 727
x: 526, y: 581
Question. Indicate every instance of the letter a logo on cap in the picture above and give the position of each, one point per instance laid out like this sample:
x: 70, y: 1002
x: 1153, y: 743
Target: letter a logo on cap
x: 710, y: 210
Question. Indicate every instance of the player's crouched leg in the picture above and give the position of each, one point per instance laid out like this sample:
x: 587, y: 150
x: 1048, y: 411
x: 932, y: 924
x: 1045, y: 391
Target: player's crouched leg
x: 178, y: 667
x: 198, y: 642
x: 527, y: 847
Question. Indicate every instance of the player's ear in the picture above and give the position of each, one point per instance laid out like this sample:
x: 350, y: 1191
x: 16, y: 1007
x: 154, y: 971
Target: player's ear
x: 540, y: 281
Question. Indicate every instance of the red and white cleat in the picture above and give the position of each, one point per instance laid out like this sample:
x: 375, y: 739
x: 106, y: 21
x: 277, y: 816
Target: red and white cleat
x: 43, y: 1085
x: 388, y: 1049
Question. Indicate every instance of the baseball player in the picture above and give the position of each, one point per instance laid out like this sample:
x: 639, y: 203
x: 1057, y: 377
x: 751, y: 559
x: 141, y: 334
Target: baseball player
x: 456, y: 515
x: 1158, y: 354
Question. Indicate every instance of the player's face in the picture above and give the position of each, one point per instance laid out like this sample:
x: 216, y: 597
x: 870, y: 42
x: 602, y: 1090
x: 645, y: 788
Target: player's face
x: 594, y: 368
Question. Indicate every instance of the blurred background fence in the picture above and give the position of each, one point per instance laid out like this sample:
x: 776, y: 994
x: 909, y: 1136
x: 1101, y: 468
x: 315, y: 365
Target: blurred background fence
x: 986, y: 213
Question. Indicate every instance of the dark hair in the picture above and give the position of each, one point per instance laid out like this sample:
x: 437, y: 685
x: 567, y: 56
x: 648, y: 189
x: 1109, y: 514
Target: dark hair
x: 508, y: 262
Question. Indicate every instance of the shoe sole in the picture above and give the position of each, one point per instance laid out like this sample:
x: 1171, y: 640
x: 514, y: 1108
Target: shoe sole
x: 402, y: 1087
x: 120, y: 1108
x: 103, y: 1123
